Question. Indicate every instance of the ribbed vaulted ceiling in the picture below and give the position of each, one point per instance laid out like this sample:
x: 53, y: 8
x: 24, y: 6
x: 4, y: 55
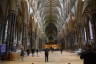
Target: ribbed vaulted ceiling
x: 50, y: 11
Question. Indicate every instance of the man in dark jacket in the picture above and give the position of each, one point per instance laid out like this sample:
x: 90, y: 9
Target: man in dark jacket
x: 28, y: 52
x: 46, y: 55
x: 89, y: 56
x: 22, y: 54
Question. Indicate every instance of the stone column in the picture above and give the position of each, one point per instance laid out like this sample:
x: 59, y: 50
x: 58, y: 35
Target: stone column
x: 11, y: 27
x: 93, y: 21
x: 11, y: 24
x: 87, y: 28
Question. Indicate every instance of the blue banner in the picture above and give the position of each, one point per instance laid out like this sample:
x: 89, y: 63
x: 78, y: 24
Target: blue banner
x: 2, y: 48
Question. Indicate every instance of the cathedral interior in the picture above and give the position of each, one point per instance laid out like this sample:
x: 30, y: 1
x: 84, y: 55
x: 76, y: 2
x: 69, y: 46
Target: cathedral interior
x: 40, y: 24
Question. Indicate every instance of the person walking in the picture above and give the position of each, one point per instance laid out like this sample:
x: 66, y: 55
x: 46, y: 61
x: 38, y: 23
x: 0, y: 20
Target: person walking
x: 46, y: 55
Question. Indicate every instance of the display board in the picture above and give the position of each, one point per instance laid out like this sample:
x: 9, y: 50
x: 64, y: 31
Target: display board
x: 2, y: 48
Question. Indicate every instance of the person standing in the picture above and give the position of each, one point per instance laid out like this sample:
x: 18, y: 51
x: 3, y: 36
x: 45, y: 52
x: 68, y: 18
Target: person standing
x: 89, y: 55
x: 28, y: 52
x: 46, y: 55
x: 33, y: 51
x: 61, y: 51
x: 22, y: 54
x: 37, y: 51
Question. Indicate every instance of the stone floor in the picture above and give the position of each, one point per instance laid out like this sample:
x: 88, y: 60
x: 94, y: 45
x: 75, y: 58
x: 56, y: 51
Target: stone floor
x: 54, y: 58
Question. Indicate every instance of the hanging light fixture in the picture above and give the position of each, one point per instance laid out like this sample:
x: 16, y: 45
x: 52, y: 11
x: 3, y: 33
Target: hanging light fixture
x: 83, y: 0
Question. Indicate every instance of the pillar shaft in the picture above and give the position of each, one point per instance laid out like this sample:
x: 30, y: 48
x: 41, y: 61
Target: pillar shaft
x: 11, y: 28
x: 94, y: 26
x: 87, y: 29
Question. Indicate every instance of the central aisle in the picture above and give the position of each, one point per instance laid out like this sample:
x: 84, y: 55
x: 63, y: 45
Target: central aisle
x: 54, y: 58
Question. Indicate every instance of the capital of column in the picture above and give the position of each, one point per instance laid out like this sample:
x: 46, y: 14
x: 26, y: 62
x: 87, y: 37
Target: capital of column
x: 12, y: 11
